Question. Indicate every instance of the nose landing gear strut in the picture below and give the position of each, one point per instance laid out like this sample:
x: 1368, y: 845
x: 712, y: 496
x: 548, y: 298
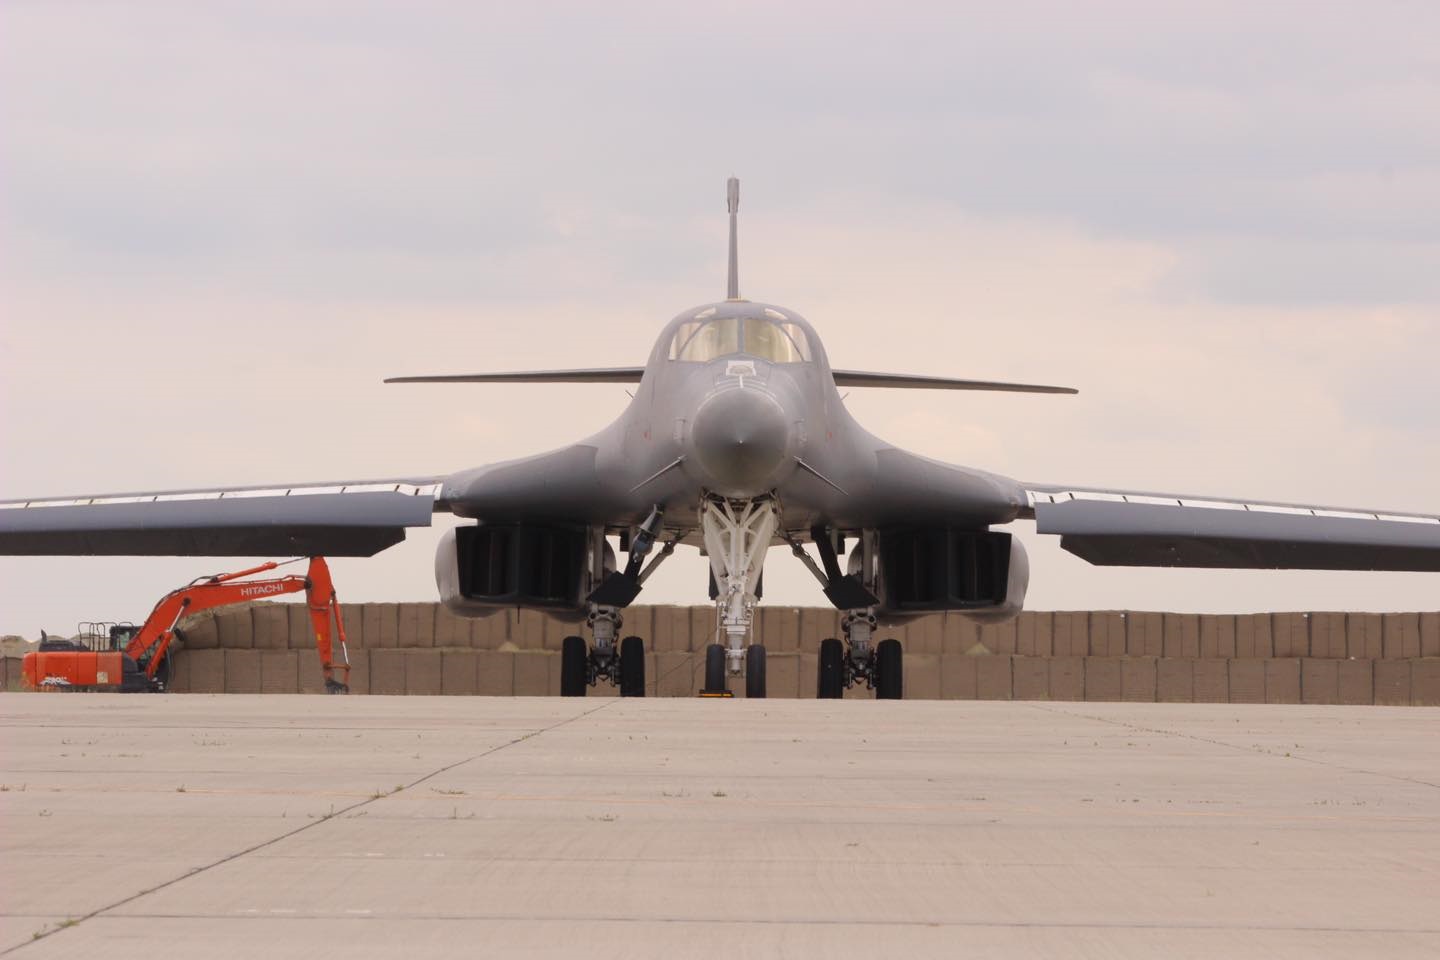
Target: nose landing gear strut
x: 737, y: 534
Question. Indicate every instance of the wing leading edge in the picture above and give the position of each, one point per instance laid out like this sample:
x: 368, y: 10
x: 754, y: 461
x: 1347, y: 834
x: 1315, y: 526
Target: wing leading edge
x: 591, y: 375
x: 912, y: 381
x: 339, y: 520
x: 843, y: 378
x: 1113, y: 528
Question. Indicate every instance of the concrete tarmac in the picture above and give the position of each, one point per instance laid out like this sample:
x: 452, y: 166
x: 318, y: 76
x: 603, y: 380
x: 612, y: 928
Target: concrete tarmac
x: 245, y: 826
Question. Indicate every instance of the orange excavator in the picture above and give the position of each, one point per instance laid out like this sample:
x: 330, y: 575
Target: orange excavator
x: 128, y: 659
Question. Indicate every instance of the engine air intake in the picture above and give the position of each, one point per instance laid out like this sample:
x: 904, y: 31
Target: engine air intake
x: 525, y: 564
x: 945, y: 569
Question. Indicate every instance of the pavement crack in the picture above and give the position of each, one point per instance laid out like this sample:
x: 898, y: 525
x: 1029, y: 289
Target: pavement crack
x: 71, y: 922
x: 1243, y: 748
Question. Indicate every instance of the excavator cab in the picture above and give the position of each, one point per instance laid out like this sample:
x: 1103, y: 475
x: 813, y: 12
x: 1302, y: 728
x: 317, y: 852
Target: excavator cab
x: 106, y: 636
x: 121, y: 634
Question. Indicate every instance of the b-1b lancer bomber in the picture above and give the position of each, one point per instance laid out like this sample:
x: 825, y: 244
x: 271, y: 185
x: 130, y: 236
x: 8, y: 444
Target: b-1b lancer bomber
x: 736, y: 440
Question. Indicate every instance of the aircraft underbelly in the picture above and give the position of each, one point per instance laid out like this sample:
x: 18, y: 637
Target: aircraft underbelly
x: 896, y: 487
x: 563, y: 484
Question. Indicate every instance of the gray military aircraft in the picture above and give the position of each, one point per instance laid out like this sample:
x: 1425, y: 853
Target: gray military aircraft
x: 736, y: 440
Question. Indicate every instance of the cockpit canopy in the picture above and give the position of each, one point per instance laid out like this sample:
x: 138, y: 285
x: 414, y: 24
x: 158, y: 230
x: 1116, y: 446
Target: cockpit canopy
x: 772, y: 336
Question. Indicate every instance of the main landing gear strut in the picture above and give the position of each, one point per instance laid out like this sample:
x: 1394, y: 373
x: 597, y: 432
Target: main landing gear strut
x: 856, y: 660
x: 582, y: 667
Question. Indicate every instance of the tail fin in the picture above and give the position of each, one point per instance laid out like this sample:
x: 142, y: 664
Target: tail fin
x: 732, y: 201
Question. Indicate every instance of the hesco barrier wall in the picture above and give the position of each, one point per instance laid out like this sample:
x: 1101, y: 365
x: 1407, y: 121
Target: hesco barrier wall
x: 421, y: 648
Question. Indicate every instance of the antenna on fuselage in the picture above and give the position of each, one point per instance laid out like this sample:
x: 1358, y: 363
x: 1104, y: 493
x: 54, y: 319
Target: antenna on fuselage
x: 732, y: 201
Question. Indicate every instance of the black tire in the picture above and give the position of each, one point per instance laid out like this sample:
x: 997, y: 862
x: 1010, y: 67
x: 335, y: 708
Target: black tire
x: 715, y: 668
x: 830, y: 685
x: 755, y: 672
x: 889, y: 671
x: 573, y: 673
x: 632, y: 667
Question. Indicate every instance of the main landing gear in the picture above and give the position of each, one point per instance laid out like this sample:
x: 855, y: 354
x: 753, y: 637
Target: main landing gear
x: 582, y: 668
x: 842, y: 665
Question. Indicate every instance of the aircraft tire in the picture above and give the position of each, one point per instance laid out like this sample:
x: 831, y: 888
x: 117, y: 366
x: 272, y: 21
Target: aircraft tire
x: 830, y: 685
x: 632, y: 667
x: 755, y: 672
x: 714, y: 668
x: 573, y: 655
x: 889, y: 671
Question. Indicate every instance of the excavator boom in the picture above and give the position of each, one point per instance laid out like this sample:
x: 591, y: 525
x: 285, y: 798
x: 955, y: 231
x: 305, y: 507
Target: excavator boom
x: 324, y: 603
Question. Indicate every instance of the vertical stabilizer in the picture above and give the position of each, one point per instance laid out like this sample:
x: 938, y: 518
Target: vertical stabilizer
x: 732, y: 200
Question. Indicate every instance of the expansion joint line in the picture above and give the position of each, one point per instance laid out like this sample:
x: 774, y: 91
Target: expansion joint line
x: 197, y: 871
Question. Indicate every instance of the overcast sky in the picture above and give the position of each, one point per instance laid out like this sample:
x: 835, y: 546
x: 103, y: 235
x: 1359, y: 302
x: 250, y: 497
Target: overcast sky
x: 222, y: 224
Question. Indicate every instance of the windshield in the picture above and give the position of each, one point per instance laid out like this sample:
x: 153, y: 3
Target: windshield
x: 700, y: 341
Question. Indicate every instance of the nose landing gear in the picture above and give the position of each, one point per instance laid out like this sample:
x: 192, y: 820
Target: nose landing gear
x: 716, y: 682
x: 737, y: 533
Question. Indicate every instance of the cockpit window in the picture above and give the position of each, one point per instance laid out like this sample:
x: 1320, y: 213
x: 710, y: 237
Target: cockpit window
x: 774, y: 342
x: 683, y: 333
x: 698, y: 342
x: 797, y: 335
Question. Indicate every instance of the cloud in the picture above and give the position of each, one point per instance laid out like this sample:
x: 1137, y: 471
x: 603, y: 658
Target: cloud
x: 224, y: 222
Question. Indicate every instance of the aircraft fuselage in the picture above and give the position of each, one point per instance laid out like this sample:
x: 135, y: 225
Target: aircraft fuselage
x: 709, y: 420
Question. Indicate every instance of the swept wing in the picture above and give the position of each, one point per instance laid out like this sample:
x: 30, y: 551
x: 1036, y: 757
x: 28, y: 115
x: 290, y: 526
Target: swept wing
x: 910, y: 381
x: 349, y: 519
x: 589, y: 375
x: 843, y: 378
x: 1130, y: 529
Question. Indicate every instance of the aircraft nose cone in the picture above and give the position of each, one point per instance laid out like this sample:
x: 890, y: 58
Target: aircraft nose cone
x: 740, y: 439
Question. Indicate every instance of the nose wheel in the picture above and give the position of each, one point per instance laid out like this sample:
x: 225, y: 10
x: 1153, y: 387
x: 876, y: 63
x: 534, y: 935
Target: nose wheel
x: 715, y: 685
x: 716, y: 663
x: 755, y: 672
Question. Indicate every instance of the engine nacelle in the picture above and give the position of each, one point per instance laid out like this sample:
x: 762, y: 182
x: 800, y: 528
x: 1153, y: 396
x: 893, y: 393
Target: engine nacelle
x: 488, y: 567
x: 981, y: 574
